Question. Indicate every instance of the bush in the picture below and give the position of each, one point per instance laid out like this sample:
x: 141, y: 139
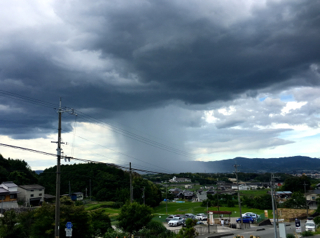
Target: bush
x: 290, y: 236
x: 307, y: 233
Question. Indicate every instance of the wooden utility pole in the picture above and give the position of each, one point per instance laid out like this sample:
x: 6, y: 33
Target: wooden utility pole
x: 57, y: 208
x: 144, y: 197
x: 305, y: 194
x: 166, y: 199
x: 239, y: 201
x: 274, y: 213
x: 59, y: 152
x: 131, y: 190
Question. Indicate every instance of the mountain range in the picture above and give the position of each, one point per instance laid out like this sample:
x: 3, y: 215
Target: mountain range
x: 281, y: 165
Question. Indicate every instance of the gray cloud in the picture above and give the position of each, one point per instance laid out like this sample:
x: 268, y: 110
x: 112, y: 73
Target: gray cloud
x: 128, y: 62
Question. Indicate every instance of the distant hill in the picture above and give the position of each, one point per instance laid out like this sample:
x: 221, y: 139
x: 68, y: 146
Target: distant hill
x: 282, y: 165
x: 38, y: 171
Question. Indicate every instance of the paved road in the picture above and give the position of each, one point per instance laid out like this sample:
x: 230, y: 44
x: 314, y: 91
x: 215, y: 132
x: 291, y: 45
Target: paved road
x: 262, y: 231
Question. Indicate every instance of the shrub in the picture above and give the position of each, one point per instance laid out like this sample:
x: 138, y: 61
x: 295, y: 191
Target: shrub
x: 307, y: 233
x: 290, y: 236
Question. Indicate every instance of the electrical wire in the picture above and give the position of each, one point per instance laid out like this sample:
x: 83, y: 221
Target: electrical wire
x: 116, y: 129
x: 129, y: 156
x: 28, y: 99
x: 78, y: 159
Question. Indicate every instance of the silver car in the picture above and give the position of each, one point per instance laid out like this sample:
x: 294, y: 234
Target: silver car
x: 176, y: 221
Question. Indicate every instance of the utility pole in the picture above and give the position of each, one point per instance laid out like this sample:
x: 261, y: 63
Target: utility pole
x: 131, y: 190
x: 239, y: 201
x: 274, y: 214
x: 90, y: 189
x: 143, y: 196
x: 208, y: 217
x: 167, y: 199
x: 69, y: 189
x: 305, y: 194
x: 59, y: 152
x: 218, y: 193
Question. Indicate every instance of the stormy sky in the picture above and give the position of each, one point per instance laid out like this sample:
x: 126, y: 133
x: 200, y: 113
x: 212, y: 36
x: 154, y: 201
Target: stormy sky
x: 157, y: 83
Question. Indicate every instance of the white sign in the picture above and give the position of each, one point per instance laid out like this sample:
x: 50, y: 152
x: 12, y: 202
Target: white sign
x: 282, y: 230
x: 298, y: 229
x: 68, y: 232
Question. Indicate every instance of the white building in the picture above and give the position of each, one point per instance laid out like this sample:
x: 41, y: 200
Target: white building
x: 179, y: 180
x: 31, y: 194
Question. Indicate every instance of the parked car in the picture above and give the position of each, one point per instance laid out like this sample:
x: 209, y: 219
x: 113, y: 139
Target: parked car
x: 176, y: 221
x: 201, y: 217
x: 170, y: 218
x: 310, y: 226
x: 251, y: 214
x: 189, y: 215
x: 247, y: 219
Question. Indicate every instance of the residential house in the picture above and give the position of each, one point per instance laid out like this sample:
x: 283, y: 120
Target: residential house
x: 211, y: 191
x: 282, y: 195
x: 179, y: 180
x: 244, y: 187
x: 201, y: 196
x: 234, y: 187
x: 188, y: 186
x: 175, y: 191
x: 186, y: 195
x: 8, y: 195
x: 222, y: 185
x: 311, y: 197
x: 31, y: 194
x: 49, y: 198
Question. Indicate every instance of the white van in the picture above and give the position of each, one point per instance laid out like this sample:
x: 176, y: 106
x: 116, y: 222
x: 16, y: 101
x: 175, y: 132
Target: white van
x: 310, y: 226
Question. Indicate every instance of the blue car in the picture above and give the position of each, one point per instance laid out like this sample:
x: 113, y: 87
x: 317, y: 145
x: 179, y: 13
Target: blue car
x: 246, y: 220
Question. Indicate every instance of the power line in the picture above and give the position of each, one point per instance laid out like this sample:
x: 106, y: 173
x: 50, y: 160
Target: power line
x: 116, y: 129
x: 28, y: 99
x: 129, y: 156
x: 78, y: 159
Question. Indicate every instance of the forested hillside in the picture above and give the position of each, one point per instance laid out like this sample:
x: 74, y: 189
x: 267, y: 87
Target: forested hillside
x: 107, y: 183
x: 17, y: 171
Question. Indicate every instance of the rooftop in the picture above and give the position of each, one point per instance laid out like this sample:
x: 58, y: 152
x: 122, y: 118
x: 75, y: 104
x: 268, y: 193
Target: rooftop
x: 31, y: 187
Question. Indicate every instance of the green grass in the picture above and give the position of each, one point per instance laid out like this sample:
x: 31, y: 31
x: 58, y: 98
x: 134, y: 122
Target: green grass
x: 105, y: 206
x: 173, y: 208
x: 256, y: 192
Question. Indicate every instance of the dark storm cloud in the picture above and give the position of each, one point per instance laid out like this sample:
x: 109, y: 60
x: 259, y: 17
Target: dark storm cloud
x: 198, y: 61
x: 165, y: 52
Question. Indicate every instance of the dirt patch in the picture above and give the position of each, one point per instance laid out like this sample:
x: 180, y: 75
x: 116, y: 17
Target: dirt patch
x: 287, y: 213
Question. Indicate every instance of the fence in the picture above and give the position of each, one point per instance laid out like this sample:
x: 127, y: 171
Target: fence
x: 262, y: 217
x: 202, y: 230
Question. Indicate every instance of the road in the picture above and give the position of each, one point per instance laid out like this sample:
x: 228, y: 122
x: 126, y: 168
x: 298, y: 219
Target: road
x: 261, y: 231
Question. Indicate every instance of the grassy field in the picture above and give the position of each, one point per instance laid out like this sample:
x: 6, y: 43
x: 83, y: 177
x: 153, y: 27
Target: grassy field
x: 105, y: 206
x: 256, y: 192
x: 173, y: 208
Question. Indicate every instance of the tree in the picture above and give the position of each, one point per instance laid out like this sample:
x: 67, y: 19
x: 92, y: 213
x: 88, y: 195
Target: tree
x: 134, y: 216
x: 26, y: 220
x: 295, y: 184
x: 100, y: 222
x: 297, y: 200
x: 8, y: 225
x: 189, y: 231
x: 43, y: 225
x: 155, y: 229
